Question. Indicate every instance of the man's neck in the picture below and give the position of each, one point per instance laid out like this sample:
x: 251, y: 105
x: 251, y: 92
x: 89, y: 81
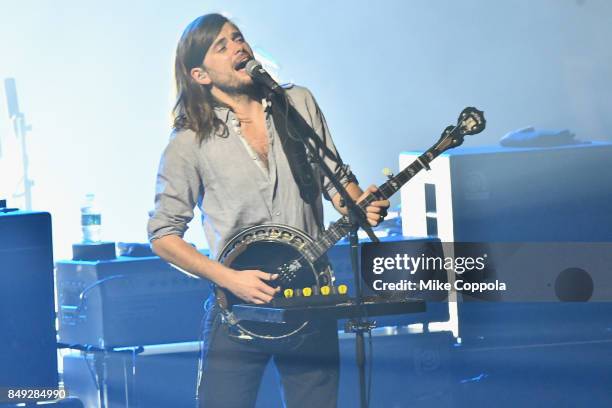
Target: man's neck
x: 245, y: 106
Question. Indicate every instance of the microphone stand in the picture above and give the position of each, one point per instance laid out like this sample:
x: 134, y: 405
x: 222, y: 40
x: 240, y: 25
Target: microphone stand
x: 357, y: 218
x: 20, y: 128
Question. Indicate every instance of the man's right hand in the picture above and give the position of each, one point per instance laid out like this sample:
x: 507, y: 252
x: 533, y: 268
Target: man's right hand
x: 250, y: 285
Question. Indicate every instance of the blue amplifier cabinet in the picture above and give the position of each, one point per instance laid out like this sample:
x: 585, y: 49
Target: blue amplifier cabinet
x: 502, y: 194
x: 28, y: 345
x: 128, y: 301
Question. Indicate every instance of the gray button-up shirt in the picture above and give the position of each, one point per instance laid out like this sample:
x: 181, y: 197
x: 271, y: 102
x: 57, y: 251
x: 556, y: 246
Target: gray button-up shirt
x: 232, y: 187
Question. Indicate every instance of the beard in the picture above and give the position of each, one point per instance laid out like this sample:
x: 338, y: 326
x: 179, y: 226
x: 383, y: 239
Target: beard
x: 242, y: 89
x: 237, y: 88
x: 233, y: 85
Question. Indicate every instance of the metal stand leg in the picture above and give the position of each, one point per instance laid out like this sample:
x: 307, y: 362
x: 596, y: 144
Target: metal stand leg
x: 359, y: 325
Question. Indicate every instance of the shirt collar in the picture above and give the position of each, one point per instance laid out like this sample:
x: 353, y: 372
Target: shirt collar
x: 222, y: 112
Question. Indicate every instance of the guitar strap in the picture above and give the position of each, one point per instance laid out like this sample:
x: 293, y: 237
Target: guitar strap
x: 295, y: 151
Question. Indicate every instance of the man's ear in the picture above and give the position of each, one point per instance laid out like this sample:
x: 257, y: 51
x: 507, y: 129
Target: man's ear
x: 200, y: 76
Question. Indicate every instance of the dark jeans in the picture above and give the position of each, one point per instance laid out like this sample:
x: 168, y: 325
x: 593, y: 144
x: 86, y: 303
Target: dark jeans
x: 232, y: 369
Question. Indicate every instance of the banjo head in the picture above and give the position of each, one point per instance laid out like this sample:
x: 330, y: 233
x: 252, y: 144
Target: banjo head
x: 271, y: 248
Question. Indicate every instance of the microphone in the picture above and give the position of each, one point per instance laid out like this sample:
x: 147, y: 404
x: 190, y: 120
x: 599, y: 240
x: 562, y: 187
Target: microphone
x: 261, y: 76
x: 11, y: 97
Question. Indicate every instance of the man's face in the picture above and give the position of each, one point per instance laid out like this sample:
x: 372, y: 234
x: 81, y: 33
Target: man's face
x: 224, y: 63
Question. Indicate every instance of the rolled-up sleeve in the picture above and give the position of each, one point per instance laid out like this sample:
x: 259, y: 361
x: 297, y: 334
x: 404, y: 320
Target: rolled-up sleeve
x: 178, y: 188
x: 328, y: 150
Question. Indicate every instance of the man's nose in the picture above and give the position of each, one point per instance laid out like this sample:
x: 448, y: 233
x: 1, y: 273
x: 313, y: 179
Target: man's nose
x: 239, y: 47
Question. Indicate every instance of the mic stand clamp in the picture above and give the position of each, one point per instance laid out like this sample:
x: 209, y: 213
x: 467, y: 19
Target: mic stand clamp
x: 363, y: 326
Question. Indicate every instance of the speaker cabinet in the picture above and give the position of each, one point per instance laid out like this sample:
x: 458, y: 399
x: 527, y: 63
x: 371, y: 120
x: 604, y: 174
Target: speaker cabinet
x: 128, y: 301
x: 494, y: 194
x: 28, y: 346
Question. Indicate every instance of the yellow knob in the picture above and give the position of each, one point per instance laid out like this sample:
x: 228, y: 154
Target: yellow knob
x: 342, y: 289
x: 325, y: 290
x: 288, y: 293
x: 306, y: 291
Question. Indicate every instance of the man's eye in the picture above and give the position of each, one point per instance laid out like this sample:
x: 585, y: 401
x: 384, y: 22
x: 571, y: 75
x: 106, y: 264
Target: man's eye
x: 221, y: 49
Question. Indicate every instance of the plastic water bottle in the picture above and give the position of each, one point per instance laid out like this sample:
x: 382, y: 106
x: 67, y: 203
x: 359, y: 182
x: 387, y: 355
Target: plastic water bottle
x: 91, y: 220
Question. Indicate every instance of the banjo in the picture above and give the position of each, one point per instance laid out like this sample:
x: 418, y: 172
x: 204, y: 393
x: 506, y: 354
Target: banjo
x: 298, y: 259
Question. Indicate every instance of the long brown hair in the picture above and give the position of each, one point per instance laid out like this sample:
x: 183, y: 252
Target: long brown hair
x: 194, y: 107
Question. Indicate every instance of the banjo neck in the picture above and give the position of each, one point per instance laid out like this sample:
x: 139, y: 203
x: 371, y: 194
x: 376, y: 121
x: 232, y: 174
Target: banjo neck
x: 471, y: 121
x: 341, y: 227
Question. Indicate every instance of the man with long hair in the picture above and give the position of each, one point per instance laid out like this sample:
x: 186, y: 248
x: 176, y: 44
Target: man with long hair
x: 229, y: 156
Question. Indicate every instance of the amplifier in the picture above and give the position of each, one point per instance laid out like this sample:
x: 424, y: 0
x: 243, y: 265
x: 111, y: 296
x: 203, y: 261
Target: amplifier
x: 497, y: 194
x: 128, y: 301
x: 28, y: 347
x: 533, y: 355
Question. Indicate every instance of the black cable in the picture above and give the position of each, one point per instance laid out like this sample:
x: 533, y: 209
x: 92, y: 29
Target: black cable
x: 82, y: 297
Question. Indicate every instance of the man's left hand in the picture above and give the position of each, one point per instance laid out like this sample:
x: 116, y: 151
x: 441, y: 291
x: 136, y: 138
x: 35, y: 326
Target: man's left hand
x: 376, y: 211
